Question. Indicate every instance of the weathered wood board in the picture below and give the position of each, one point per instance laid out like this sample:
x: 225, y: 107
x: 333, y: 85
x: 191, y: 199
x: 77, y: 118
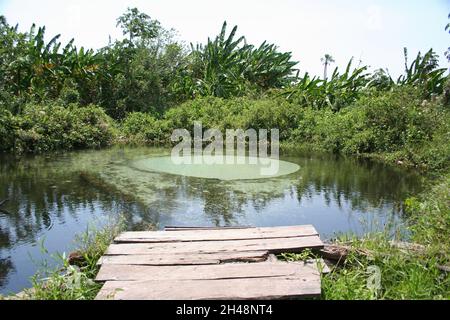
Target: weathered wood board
x: 245, y: 288
x: 275, y: 245
x: 183, y: 259
x: 115, y: 272
x: 180, y: 228
x: 216, y: 234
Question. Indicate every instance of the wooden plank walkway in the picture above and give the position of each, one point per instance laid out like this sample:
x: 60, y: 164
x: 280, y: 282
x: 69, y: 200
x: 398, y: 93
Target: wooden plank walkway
x: 210, y: 263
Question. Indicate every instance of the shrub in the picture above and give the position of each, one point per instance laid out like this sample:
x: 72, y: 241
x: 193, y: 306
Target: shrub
x: 432, y: 154
x: 429, y: 216
x: 142, y: 127
x: 210, y: 111
x: 7, y: 130
x: 271, y: 113
x: 397, y: 123
x: 91, y: 127
x: 397, y: 118
x: 409, y: 128
x: 343, y: 132
x: 69, y: 93
x: 51, y: 127
x: 233, y: 113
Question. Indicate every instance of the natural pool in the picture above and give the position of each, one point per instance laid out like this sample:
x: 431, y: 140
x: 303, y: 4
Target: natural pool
x: 52, y: 198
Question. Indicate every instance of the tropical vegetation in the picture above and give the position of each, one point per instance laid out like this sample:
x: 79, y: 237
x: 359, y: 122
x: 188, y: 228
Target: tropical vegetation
x: 56, y: 96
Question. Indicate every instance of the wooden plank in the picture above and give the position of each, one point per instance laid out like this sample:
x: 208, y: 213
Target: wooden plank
x: 183, y: 228
x: 216, y: 234
x: 181, y: 259
x: 246, y: 288
x: 111, y: 272
x: 276, y: 245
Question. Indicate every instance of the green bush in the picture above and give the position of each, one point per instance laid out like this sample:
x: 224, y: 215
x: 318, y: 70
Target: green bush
x: 7, y: 130
x: 429, y: 216
x: 271, y: 113
x: 343, y: 132
x: 51, y: 127
x: 408, y: 128
x: 142, y: 127
x: 397, y: 124
x: 432, y: 155
x: 398, y: 118
x: 210, y: 111
x: 235, y: 113
x: 69, y: 93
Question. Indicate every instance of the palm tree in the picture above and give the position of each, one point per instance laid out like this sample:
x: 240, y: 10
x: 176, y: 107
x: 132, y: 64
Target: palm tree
x: 326, y: 60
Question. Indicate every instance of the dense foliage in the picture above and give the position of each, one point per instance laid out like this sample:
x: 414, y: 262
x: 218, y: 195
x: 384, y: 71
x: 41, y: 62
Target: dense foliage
x: 147, y: 71
x: 397, y: 124
x: 138, y: 89
x: 43, y: 128
x: 226, y: 68
x: 152, y: 84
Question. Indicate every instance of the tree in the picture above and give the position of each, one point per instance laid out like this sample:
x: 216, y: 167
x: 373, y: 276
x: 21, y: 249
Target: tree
x: 326, y: 61
x: 138, y: 26
x: 141, y: 67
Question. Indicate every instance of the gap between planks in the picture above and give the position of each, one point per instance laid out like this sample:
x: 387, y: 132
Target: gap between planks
x: 182, y: 259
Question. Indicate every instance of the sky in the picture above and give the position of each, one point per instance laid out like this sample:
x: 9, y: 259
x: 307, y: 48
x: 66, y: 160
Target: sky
x: 371, y: 31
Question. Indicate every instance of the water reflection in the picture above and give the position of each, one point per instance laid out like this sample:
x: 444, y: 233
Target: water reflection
x: 55, y: 197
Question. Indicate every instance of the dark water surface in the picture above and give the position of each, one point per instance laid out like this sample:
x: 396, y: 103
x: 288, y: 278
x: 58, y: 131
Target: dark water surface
x: 53, y: 198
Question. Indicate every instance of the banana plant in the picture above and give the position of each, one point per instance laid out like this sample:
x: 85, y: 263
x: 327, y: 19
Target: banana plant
x: 335, y: 92
x: 267, y: 67
x: 228, y: 66
x: 424, y: 71
x: 38, y: 69
x: 306, y: 91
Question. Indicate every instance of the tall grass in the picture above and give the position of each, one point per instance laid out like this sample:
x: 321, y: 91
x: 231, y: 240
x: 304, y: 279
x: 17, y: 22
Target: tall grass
x: 405, y: 272
x: 75, y: 282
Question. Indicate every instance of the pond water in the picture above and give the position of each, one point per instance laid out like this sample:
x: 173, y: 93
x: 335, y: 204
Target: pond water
x: 52, y: 198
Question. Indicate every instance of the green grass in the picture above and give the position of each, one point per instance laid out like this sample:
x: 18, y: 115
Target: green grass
x: 429, y: 216
x: 75, y: 282
x: 403, y: 273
